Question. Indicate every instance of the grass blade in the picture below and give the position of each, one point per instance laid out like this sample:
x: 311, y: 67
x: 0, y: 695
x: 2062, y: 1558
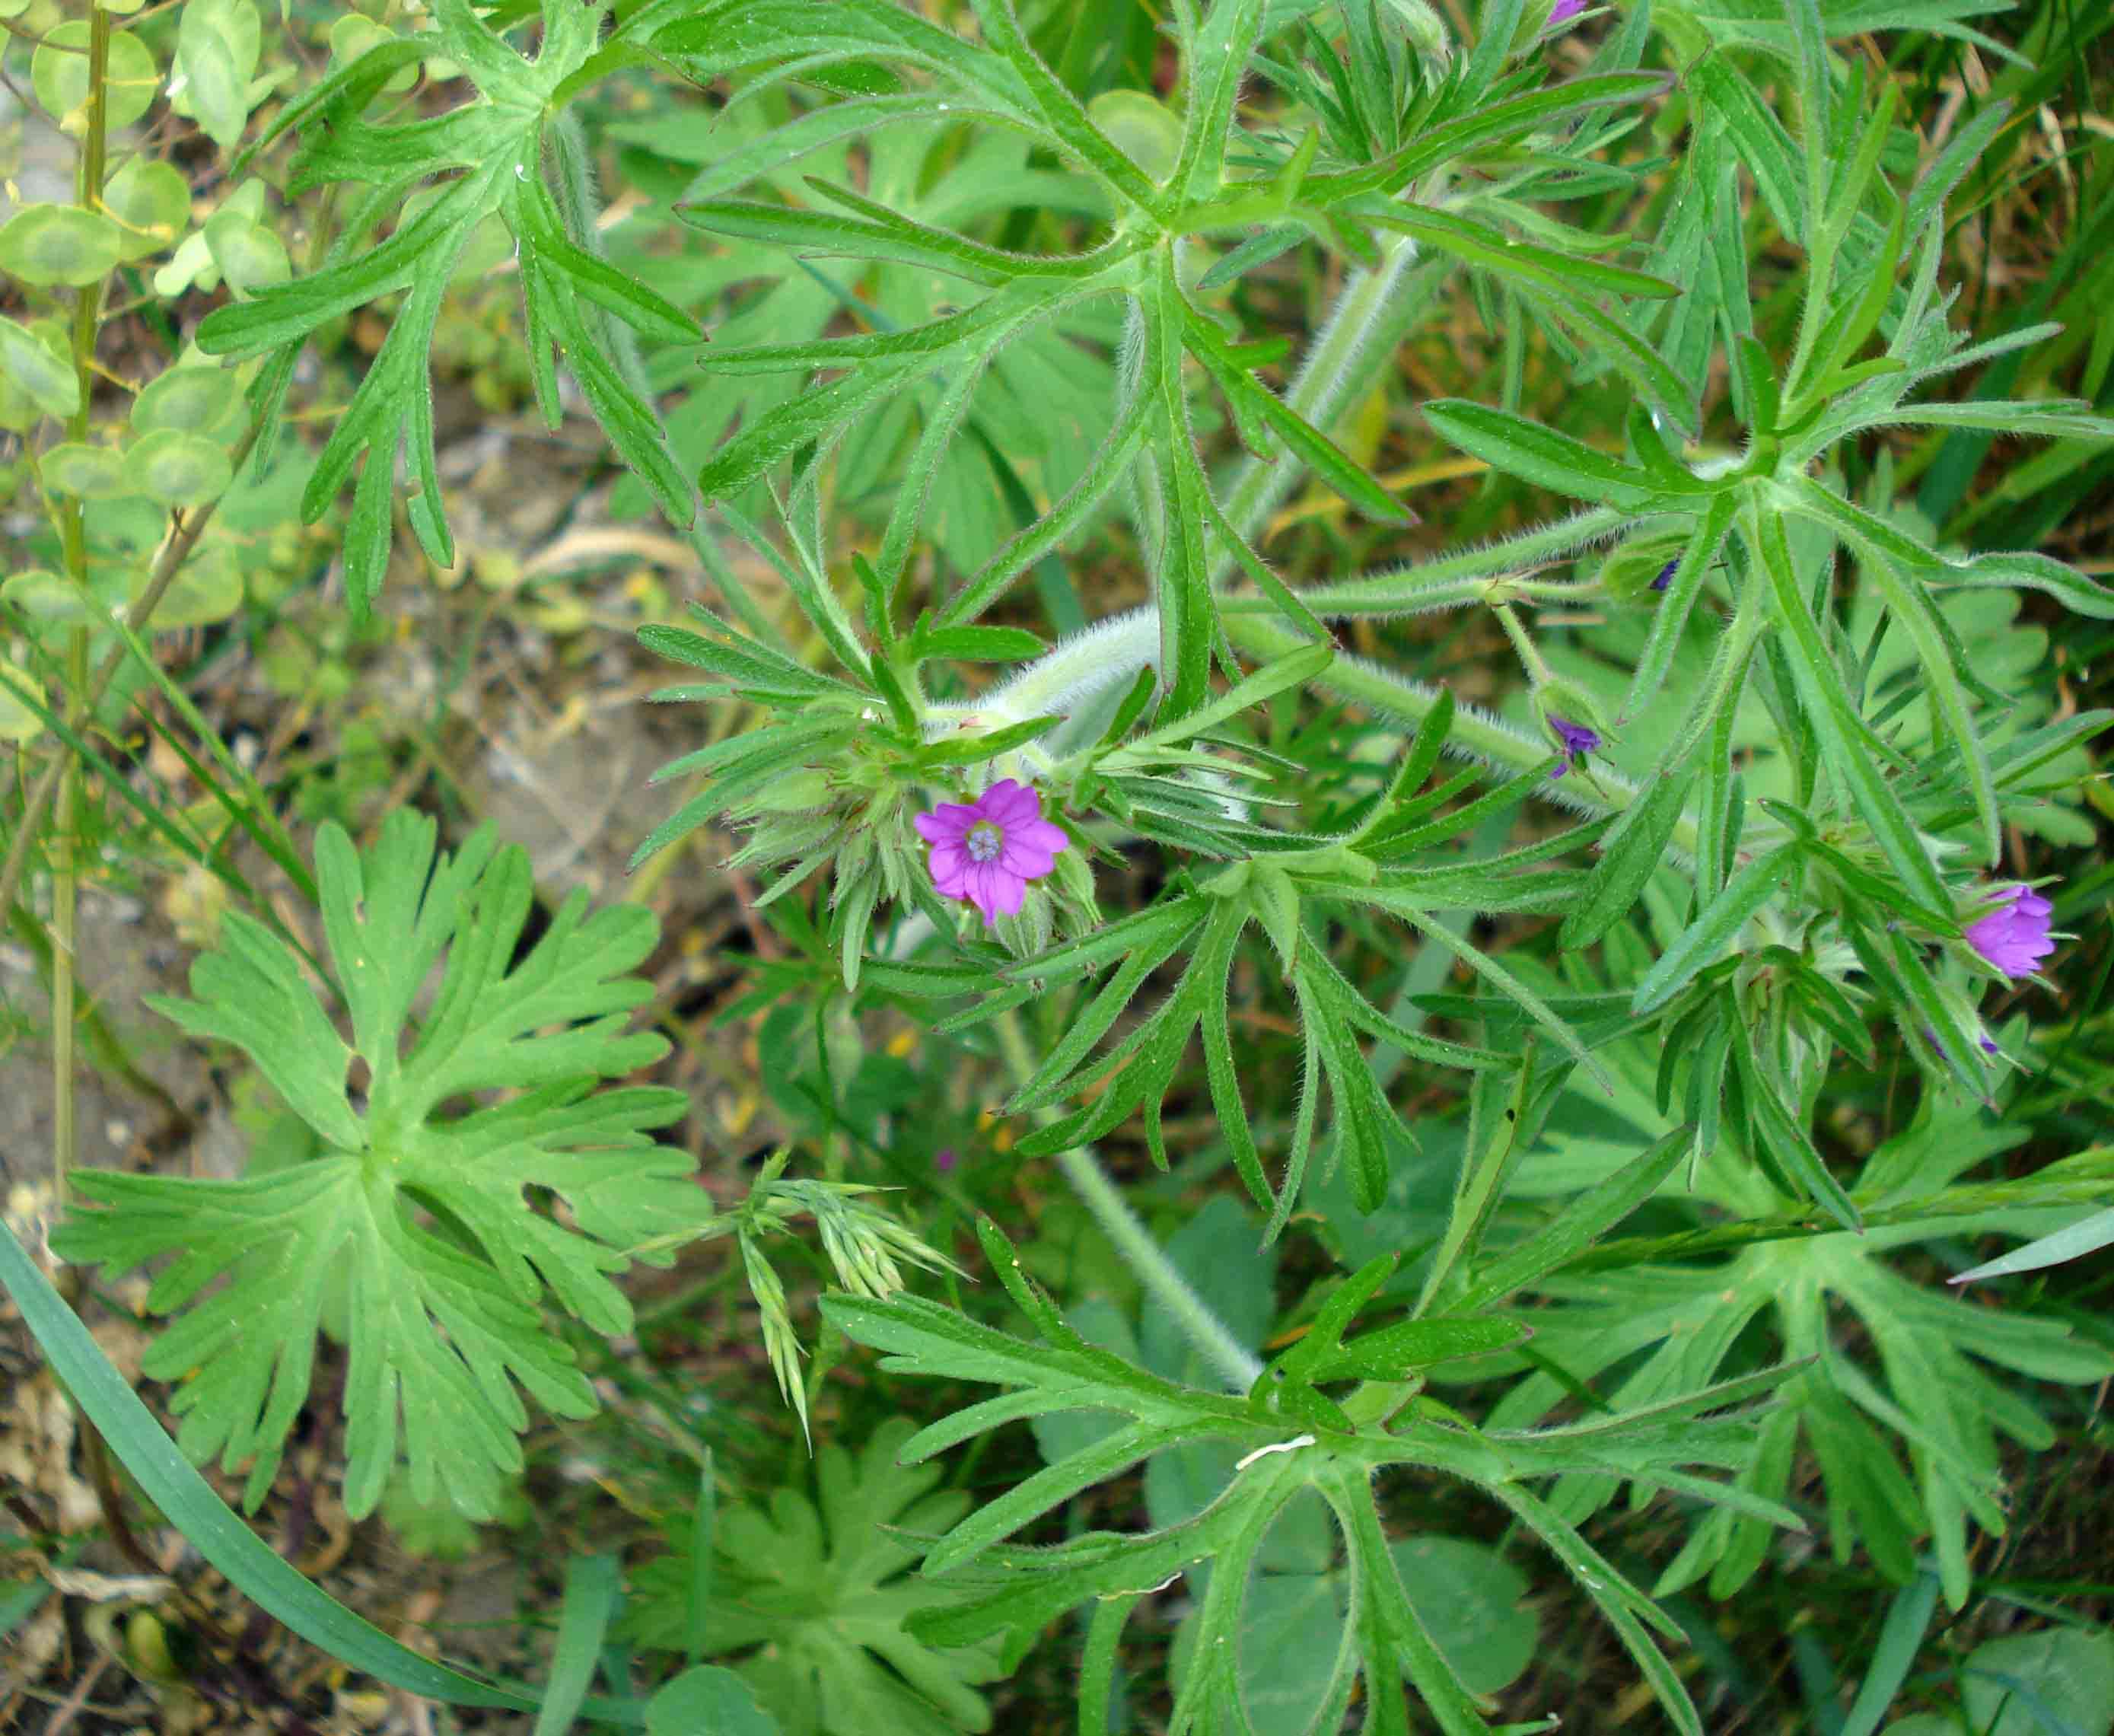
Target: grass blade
x: 188, y: 1501
x: 591, y: 1584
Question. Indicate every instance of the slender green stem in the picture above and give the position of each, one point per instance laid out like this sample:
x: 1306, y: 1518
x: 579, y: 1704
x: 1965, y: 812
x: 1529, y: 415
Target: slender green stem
x: 1486, y: 739
x: 65, y: 888
x: 175, y: 552
x: 1530, y: 653
x: 1403, y: 696
x: 1167, y: 1286
x: 1134, y: 1243
x: 73, y: 534
x: 1465, y: 576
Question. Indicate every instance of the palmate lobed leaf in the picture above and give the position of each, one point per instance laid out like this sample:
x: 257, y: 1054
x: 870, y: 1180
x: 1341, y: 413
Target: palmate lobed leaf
x: 813, y: 1599
x: 411, y: 1236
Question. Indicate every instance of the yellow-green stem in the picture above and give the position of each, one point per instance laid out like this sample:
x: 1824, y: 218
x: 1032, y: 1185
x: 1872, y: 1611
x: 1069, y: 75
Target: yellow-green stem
x: 65, y: 892
x: 88, y: 305
x: 184, y: 536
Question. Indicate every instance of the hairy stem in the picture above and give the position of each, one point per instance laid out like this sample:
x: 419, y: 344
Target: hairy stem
x: 2080, y: 1180
x: 1112, y: 651
x: 1100, y: 1196
x: 1370, y: 315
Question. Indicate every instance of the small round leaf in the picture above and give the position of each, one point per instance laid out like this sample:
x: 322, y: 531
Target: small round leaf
x: 58, y: 71
x: 17, y: 414
x: 191, y: 265
x: 59, y: 244
x: 37, y: 371
x: 249, y: 256
x: 218, y: 42
x: 489, y: 243
x: 180, y: 470
x: 191, y: 400
x: 1473, y: 1604
x: 2054, y: 1679
x: 18, y: 720
x: 44, y: 597
x: 151, y: 201
x: 89, y: 472
x: 352, y: 35
x: 1145, y: 130
x: 237, y: 24
x: 208, y: 588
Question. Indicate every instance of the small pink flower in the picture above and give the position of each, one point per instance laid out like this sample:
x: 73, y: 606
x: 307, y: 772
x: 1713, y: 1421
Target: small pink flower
x: 1564, y: 11
x: 985, y: 852
x: 2013, y: 935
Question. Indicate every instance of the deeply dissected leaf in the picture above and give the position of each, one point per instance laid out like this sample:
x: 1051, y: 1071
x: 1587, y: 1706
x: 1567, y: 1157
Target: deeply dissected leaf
x: 408, y: 1232
x: 811, y: 1600
x: 485, y: 159
x: 1017, y: 1592
x: 1670, y: 1328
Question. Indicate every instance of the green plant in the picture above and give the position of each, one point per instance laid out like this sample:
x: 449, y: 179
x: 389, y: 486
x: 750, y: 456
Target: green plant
x: 1619, y: 1057
x: 407, y: 1234
x: 815, y: 1591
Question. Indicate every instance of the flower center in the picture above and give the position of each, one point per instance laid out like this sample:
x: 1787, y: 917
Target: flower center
x: 983, y: 840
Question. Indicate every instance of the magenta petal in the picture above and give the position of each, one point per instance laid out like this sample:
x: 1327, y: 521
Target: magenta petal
x: 1027, y: 847
x: 994, y: 891
x: 978, y: 887
x: 1024, y: 862
x: 2012, y: 935
x: 1011, y: 804
x: 950, y: 863
x: 1008, y: 891
x: 957, y: 817
x: 941, y: 827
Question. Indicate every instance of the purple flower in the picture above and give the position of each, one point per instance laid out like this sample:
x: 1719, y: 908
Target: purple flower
x: 1578, y: 741
x: 985, y: 852
x: 1564, y: 11
x: 2014, y: 935
x: 1666, y: 574
x: 944, y: 1159
x: 1930, y: 1037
